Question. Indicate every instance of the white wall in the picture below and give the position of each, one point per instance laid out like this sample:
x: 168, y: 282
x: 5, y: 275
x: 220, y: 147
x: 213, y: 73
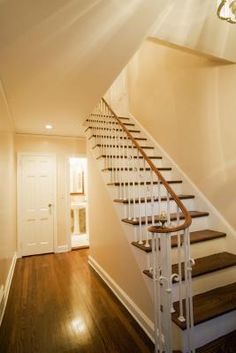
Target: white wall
x: 7, y: 192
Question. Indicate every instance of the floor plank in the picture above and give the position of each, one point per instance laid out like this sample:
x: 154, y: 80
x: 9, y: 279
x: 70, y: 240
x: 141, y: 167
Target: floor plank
x: 57, y: 303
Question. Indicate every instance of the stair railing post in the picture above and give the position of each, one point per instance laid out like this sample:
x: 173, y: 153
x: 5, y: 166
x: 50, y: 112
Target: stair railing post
x: 139, y: 197
x: 133, y: 174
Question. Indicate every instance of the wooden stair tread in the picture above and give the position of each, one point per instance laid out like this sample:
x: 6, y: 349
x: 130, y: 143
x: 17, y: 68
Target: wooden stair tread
x: 123, y: 117
x: 149, y: 199
x: 131, y: 169
x: 109, y: 116
x: 111, y: 129
x: 173, y: 217
x: 110, y: 122
x: 120, y: 138
x: 116, y: 146
x: 145, y: 183
x: 195, y: 237
x: 206, y: 264
x: 209, y: 305
x: 224, y: 344
x: 125, y: 157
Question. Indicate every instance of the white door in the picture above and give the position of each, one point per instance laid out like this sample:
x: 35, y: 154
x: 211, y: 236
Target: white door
x: 36, y: 195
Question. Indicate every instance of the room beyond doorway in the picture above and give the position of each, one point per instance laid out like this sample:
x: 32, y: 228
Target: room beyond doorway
x: 78, y: 202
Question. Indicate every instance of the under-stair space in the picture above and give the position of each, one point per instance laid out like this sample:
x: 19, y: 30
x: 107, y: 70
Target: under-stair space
x: 207, y: 277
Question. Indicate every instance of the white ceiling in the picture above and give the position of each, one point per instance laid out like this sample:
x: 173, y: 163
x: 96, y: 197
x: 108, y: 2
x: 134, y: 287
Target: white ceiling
x: 194, y: 24
x: 58, y: 57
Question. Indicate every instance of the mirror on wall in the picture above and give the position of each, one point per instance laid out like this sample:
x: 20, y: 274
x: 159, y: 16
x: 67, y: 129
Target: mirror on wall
x: 78, y: 202
x: 77, y: 175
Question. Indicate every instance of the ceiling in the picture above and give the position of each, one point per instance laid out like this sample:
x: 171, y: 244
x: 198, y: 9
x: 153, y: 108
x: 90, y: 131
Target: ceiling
x: 195, y: 25
x: 58, y: 57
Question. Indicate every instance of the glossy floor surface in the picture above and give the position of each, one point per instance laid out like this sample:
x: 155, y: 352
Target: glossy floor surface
x: 58, y: 304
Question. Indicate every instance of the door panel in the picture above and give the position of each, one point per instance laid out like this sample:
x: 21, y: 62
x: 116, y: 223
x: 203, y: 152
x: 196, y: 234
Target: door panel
x: 36, y: 194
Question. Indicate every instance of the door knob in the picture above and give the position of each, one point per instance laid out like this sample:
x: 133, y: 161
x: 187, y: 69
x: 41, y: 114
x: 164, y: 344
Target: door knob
x: 50, y: 205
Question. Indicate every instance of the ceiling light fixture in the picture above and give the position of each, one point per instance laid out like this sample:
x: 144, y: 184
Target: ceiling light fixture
x: 48, y: 126
x: 226, y: 10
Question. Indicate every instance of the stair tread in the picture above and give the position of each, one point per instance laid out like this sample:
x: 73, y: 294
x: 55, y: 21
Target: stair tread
x: 223, y: 344
x: 123, y: 117
x: 209, y: 305
x: 122, y: 157
x: 131, y: 169
x: 173, y: 217
x: 121, y: 138
x: 116, y: 146
x: 108, y: 116
x: 110, y: 122
x: 145, y: 183
x: 149, y: 199
x: 206, y: 264
x: 111, y: 129
x: 195, y: 237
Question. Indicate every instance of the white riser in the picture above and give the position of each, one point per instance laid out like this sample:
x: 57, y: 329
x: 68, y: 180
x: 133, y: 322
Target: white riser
x: 197, y: 250
x: 212, y: 329
x: 121, y: 163
x: 209, y: 281
x: 203, y: 249
x: 93, y: 142
x: 129, y: 176
x: 198, y: 223
x: 124, y: 163
x: 141, y: 208
x: 121, y: 151
x: 177, y: 188
x: 202, y: 283
x: 107, y: 134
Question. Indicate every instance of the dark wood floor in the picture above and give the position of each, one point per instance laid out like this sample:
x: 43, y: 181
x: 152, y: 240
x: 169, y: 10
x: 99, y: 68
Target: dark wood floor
x: 58, y: 304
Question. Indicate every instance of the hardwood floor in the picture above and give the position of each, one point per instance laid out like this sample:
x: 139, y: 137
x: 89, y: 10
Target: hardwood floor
x: 58, y: 304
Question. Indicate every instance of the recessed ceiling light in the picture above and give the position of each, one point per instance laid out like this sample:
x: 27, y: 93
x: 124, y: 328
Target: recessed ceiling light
x: 49, y: 126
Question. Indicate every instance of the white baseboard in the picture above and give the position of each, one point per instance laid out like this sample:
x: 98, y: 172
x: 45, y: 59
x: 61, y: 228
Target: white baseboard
x: 144, y: 322
x: 6, y: 289
x: 62, y: 248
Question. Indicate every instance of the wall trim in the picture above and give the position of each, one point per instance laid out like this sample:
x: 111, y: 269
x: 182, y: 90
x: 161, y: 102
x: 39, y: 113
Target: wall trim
x: 200, y: 194
x: 62, y: 248
x: 71, y: 137
x: 144, y: 322
x: 7, y: 287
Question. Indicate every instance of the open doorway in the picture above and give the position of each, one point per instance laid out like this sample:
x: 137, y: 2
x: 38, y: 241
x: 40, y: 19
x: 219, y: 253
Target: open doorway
x: 78, y: 203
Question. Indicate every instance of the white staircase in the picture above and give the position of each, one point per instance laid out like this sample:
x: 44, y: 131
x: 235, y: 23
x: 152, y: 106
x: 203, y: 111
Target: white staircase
x: 157, y: 206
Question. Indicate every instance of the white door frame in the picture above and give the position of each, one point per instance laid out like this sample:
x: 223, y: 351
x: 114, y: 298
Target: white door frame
x: 19, y: 170
x: 68, y: 208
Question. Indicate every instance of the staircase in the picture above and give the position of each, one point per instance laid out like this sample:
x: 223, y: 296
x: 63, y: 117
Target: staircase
x: 194, y: 298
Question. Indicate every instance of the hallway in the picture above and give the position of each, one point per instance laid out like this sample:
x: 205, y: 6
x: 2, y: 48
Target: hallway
x: 58, y: 304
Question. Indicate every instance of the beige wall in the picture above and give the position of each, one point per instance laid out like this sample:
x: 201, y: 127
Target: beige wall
x: 7, y: 192
x: 63, y: 148
x: 188, y: 105
x: 109, y: 245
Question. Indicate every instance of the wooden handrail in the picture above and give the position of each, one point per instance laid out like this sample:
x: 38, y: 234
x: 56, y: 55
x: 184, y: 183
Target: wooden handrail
x: 187, y: 217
